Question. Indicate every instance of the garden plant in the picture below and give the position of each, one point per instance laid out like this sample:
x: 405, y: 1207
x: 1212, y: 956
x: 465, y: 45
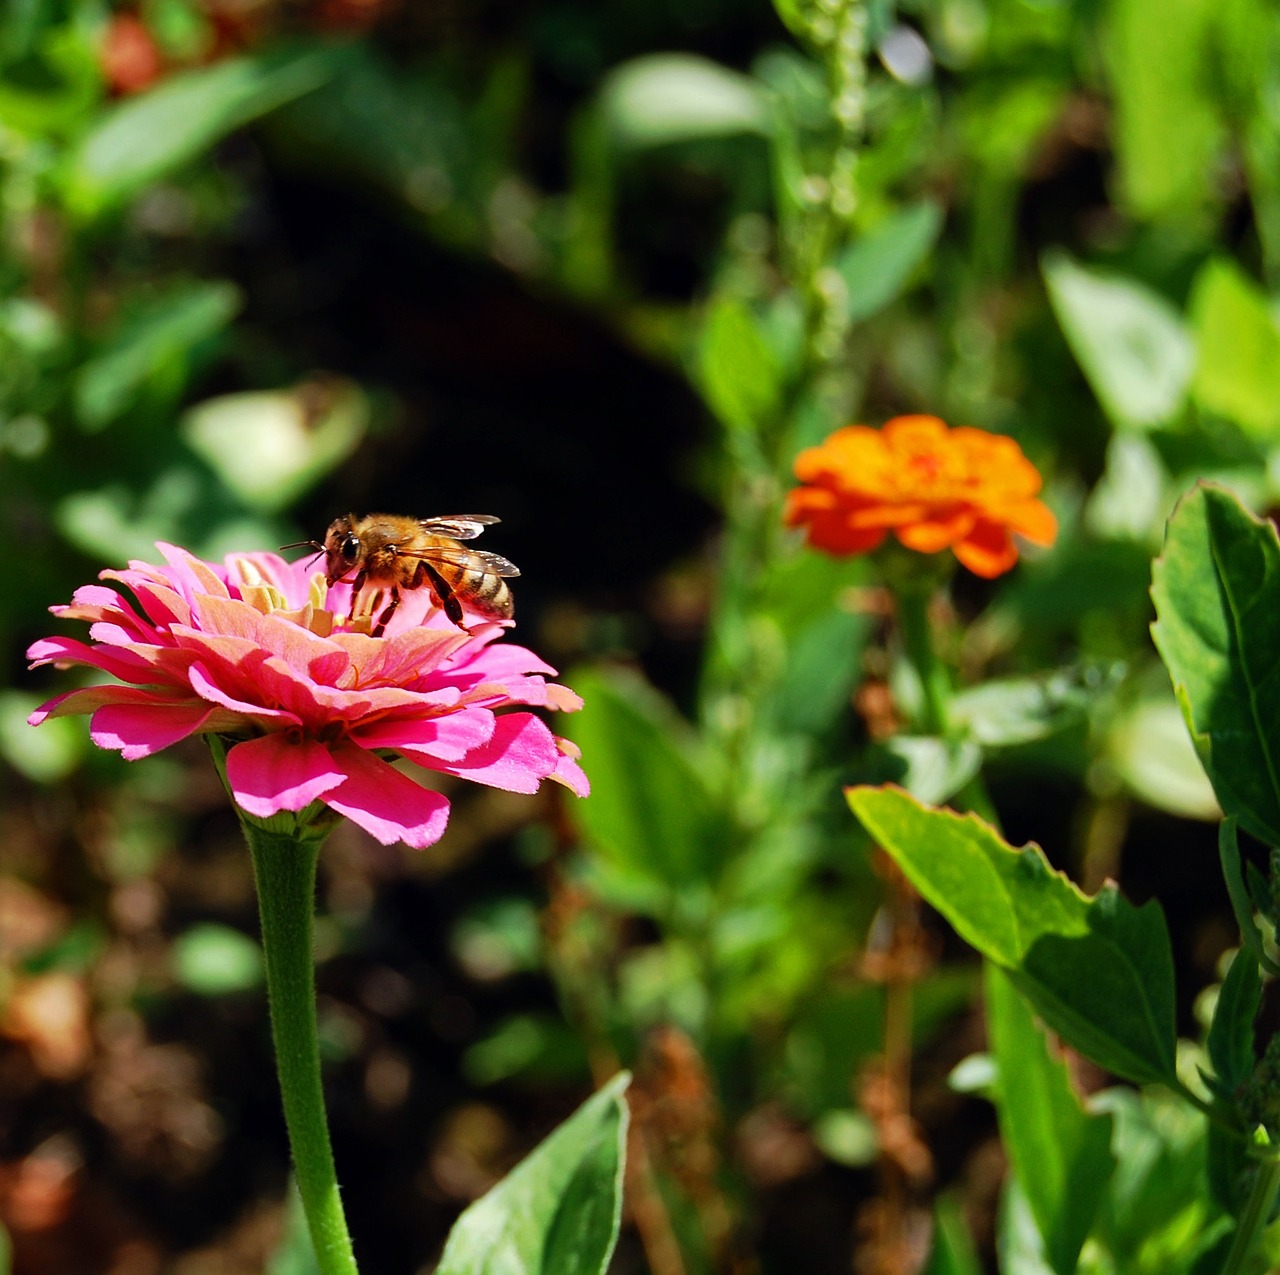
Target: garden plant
x: 861, y: 848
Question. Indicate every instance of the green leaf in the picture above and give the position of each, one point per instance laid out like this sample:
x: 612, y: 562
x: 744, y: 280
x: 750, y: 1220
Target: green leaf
x: 1216, y: 587
x: 269, y: 447
x: 1019, y: 1245
x: 1012, y: 711
x: 650, y: 809
x: 1148, y: 745
x: 877, y: 268
x: 1156, y: 1215
x: 213, y: 960
x: 1167, y: 129
x: 1061, y: 1155
x: 738, y: 372
x: 1238, y: 342
x: 1231, y: 1042
x: 1244, y: 899
x: 159, y: 334
x: 679, y: 97
x: 1130, y: 342
x: 1098, y: 970
x: 147, y: 137
x: 953, y: 1249
x: 558, y: 1211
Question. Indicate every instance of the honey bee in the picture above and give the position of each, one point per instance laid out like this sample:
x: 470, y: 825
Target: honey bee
x: 387, y: 555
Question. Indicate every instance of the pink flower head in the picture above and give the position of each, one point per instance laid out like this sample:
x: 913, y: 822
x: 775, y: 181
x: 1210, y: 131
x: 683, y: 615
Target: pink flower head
x: 262, y: 650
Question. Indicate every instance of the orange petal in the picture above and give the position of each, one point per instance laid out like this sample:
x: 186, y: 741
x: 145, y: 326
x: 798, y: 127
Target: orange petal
x: 988, y: 551
x: 1034, y: 521
x: 932, y: 535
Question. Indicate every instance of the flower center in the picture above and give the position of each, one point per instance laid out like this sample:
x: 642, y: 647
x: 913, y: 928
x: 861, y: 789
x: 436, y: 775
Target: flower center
x: 263, y: 596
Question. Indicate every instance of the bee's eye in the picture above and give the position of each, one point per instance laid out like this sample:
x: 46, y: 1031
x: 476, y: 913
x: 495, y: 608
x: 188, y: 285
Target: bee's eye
x: 350, y: 549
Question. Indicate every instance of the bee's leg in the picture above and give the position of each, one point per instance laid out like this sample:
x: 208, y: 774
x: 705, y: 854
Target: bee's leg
x: 448, y: 599
x: 387, y: 612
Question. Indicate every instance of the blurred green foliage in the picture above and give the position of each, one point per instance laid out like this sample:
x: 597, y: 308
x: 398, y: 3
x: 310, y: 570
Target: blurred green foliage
x: 1055, y: 220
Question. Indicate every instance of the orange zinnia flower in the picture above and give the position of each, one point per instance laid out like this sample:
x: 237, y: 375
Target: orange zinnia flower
x: 935, y: 488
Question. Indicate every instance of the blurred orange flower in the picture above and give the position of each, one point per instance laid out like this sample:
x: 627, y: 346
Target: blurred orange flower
x: 935, y: 488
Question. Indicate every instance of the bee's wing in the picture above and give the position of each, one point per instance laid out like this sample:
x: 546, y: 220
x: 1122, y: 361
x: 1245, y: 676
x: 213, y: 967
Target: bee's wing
x: 489, y: 564
x: 458, y: 526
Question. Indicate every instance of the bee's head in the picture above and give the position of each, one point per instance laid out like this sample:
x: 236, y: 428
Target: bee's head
x: 341, y: 549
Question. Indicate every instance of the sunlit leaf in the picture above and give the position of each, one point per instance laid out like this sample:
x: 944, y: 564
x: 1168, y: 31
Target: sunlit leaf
x: 1152, y: 753
x: 679, y: 97
x: 878, y: 267
x: 160, y: 333
x: 558, y: 1211
x: 1168, y: 128
x: 953, y: 1248
x: 147, y: 137
x: 1238, y: 343
x: 1216, y: 587
x: 738, y: 372
x: 1097, y: 970
x: 1061, y: 1154
x: 650, y: 808
x: 1130, y: 342
x: 268, y: 447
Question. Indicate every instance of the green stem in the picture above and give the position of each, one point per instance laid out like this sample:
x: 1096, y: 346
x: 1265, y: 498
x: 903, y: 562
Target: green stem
x: 284, y: 866
x: 1254, y: 1218
x: 917, y: 640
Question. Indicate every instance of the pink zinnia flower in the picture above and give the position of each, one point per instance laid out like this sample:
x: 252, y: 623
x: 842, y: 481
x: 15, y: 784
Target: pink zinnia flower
x: 261, y: 650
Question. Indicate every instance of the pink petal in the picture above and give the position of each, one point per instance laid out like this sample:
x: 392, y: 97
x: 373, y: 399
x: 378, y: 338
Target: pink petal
x: 448, y: 737
x: 138, y: 730
x: 498, y: 662
x: 143, y: 665
x: 190, y: 575
x: 568, y: 772
x: 88, y: 699
x: 161, y: 604
x: 521, y: 753
x: 204, y: 685
x: 402, y: 659
x: 385, y: 803
x: 274, y: 773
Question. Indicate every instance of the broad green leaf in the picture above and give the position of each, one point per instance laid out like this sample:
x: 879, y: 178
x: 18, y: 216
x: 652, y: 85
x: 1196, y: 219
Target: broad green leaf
x: 213, y: 960
x: 650, y: 809
x: 1130, y: 342
x: 1155, y: 1216
x: 1003, y: 713
x: 1167, y: 128
x: 1019, y: 1245
x: 558, y: 1211
x: 738, y: 372
x: 1216, y: 587
x: 1245, y: 897
x: 1148, y: 745
x: 953, y: 1248
x: 1231, y: 1040
x: 932, y: 768
x: 1060, y: 1153
x: 1097, y: 970
x: 877, y: 268
x: 679, y: 97
x: 1238, y: 343
x: 159, y: 334
x: 145, y: 138
x: 268, y: 447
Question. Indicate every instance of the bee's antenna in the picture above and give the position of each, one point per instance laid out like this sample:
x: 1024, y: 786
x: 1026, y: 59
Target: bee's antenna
x: 305, y: 544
